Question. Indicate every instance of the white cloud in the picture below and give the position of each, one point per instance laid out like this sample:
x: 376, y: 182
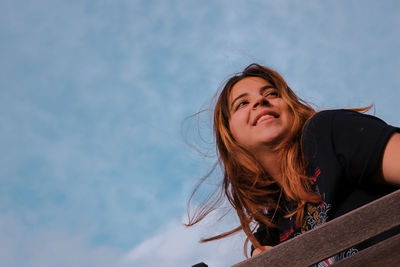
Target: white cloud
x: 177, y: 245
x: 174, y: 245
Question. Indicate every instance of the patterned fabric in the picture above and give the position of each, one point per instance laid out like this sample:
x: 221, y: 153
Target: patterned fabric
x: 315, y: 215
x: 343, y: 150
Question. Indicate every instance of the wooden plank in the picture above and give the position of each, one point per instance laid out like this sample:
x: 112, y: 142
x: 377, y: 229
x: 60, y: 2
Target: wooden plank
x: 385, y: 253
x: 334, y: 236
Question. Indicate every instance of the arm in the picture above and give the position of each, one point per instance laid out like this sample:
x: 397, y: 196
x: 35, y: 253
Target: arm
x: 391, y: 160
x: 258, y: 251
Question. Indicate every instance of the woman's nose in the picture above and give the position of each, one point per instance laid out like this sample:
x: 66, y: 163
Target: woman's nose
x: 260, y: 102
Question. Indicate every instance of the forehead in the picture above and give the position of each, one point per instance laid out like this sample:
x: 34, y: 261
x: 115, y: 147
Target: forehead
x: 247, y: 85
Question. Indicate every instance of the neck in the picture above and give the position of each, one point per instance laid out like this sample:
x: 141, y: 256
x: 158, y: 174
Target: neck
x: 270, y: 162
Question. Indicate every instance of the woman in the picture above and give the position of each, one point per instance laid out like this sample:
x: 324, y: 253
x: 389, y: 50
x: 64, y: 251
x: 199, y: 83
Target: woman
x: 288, y: 169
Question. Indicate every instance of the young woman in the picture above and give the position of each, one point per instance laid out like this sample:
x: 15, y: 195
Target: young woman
x: 287, y: 168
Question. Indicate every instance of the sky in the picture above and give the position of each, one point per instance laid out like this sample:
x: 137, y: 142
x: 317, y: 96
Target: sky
x: 97, y: 161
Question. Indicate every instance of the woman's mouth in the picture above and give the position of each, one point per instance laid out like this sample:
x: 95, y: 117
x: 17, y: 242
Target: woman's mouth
x: 264, y: 118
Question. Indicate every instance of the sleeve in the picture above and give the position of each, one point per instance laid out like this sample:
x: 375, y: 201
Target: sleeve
x: 359, y: 141
x: 266, y: 237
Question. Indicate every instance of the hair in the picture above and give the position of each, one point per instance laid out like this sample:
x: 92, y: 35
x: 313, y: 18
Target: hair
x: 253, y: 193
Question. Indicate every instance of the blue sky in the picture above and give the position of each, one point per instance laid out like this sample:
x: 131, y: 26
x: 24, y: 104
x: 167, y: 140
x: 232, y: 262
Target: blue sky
x: 93, y: 94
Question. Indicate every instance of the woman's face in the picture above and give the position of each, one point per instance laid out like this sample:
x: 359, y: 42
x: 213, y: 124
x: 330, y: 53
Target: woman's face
x: 259, y: 117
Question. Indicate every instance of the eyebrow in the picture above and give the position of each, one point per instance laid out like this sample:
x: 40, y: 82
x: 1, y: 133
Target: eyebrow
x: 262, y: 90
x: 265, y: 88
x: 237, y: 98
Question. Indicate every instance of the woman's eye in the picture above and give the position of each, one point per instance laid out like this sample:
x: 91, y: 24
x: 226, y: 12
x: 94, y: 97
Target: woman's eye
x: 241, y: 104
x: 271, y: 93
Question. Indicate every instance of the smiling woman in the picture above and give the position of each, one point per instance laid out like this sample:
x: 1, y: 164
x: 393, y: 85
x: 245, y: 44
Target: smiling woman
x: 287, y: 168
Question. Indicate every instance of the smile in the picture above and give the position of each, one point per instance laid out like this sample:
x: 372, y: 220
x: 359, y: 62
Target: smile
x: 265, y: 115
x: 265, y: 118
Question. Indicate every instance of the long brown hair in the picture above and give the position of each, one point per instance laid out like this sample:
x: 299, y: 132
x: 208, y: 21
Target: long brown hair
x: 253, y: 193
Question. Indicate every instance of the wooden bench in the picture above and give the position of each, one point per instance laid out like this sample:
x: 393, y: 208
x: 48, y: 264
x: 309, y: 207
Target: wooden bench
x: 340, y: 234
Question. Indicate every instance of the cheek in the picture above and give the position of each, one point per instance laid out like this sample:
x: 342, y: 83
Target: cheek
x: 290, y: 118
x: 235, y: 127
x: 232, y: 129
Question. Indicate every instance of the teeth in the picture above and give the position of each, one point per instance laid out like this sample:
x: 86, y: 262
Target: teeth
x: 264, y: 117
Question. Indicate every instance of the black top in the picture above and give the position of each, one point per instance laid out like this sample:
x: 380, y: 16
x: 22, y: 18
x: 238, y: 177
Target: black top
x: 343, y: 150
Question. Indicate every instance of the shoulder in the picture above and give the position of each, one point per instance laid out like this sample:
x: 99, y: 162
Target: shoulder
x: 340, y: 118
x: 341, y: 130
x: 328, y: 116
x: 324, y: 118
x: 321, y: 122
